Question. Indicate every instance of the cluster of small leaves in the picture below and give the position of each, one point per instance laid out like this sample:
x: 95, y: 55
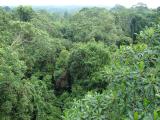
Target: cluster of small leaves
x: 87, y: 58
x: 150, y: 36
x: 11, y: 68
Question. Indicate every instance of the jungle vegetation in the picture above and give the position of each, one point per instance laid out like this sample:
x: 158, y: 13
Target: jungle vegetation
x: 92, y: 64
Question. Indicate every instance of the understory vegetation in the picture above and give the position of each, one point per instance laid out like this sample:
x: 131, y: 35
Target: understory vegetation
x: 91, y: 64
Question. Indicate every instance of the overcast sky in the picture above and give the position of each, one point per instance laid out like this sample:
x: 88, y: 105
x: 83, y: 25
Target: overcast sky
x: 127, y: 3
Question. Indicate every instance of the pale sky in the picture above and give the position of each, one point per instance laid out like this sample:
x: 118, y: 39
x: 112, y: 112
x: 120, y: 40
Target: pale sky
x: 126, y: 3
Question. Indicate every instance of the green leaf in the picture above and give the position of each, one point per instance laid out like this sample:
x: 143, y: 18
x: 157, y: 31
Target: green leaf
x: 135, y: 115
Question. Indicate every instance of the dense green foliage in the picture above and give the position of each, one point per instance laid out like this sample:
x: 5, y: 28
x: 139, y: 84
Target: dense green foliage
x: 93, y: 64
x: 86, y: 59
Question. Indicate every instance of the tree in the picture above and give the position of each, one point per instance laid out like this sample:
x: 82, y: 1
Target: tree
x: 11, y: 67
x: 26, y: 100
x: 52, y: 23
x: 39, y: 50
x: 134, y: 19
x: 4, y: 19
x: 92, y: 23
x: 86, y: 59
x: 150, y: 36
x: 132, y: 91
x: 24, y: 13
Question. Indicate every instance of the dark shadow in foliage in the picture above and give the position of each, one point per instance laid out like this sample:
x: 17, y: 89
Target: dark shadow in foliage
x: 63, y: 83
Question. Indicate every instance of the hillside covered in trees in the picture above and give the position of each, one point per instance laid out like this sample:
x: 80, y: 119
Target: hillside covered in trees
x: 92, y: 64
